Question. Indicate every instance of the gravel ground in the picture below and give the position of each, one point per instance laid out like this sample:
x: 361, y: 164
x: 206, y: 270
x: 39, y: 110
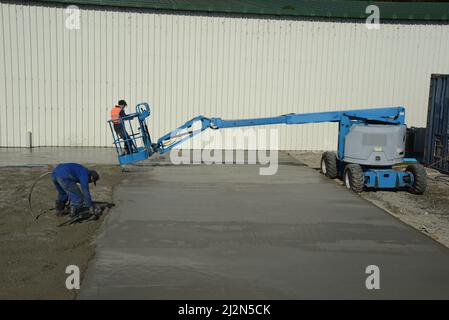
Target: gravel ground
x: 428, y: 213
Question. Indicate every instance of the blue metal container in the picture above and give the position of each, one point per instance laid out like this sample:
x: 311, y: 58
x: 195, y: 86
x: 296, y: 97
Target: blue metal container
x: 436, y: 153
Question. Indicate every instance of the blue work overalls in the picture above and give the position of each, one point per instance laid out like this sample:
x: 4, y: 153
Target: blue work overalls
x: 65, y: 177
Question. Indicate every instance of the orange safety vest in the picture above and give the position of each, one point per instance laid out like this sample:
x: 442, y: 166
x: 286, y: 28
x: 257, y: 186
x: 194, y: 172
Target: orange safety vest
x: 115, y: 114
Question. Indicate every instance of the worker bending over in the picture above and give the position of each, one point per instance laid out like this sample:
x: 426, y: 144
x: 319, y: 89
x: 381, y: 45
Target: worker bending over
x: 117, y: 113
x: 66, y: 177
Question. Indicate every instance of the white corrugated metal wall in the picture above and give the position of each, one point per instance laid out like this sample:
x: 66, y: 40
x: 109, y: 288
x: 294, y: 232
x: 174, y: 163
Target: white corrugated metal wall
x: 60, y: 84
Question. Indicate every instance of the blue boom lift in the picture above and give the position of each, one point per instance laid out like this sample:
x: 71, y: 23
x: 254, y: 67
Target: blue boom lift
x: 370, y: 153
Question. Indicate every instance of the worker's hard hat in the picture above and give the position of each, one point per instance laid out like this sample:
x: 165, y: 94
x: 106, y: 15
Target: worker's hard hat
x: 122, y: 103
x: 94, y: 176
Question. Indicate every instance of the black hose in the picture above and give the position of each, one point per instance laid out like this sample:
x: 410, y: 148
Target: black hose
x: 31, y: 191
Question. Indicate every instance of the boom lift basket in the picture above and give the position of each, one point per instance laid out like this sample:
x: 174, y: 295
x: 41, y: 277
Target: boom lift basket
x: 131, y: 131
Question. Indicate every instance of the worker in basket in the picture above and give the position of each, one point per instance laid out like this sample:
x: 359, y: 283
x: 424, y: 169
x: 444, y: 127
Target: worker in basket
x: 117, y: 115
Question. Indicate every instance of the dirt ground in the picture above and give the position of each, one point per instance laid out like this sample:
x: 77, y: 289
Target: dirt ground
x: 428, y: 213
x: 35, y: 253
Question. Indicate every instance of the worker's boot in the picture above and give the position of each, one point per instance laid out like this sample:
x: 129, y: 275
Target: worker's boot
x: 60, y: 208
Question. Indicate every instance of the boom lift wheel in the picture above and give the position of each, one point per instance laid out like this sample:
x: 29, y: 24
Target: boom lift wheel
x: 329, y: 165
x: 419, y: 178
x: 354, y: 178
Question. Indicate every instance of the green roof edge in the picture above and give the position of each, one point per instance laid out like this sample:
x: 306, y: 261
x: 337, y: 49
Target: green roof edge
x: 345, y: 9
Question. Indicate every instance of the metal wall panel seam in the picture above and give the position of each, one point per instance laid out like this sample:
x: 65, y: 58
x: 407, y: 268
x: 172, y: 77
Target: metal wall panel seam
x: 3, y: 133
x: 9, y: 95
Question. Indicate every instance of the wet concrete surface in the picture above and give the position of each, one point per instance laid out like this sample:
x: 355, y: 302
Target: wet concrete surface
x: 225, y: 232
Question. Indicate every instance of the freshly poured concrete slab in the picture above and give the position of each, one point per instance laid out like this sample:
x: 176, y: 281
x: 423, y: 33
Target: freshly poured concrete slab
x: 225, y: 232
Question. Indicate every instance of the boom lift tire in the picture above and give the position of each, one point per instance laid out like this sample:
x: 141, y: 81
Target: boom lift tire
x: 329, y: 164
x: 354, y: 178
x: 419, y: 178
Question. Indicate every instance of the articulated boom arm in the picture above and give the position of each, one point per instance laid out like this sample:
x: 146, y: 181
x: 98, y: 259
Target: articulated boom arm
x: 392, y: 116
